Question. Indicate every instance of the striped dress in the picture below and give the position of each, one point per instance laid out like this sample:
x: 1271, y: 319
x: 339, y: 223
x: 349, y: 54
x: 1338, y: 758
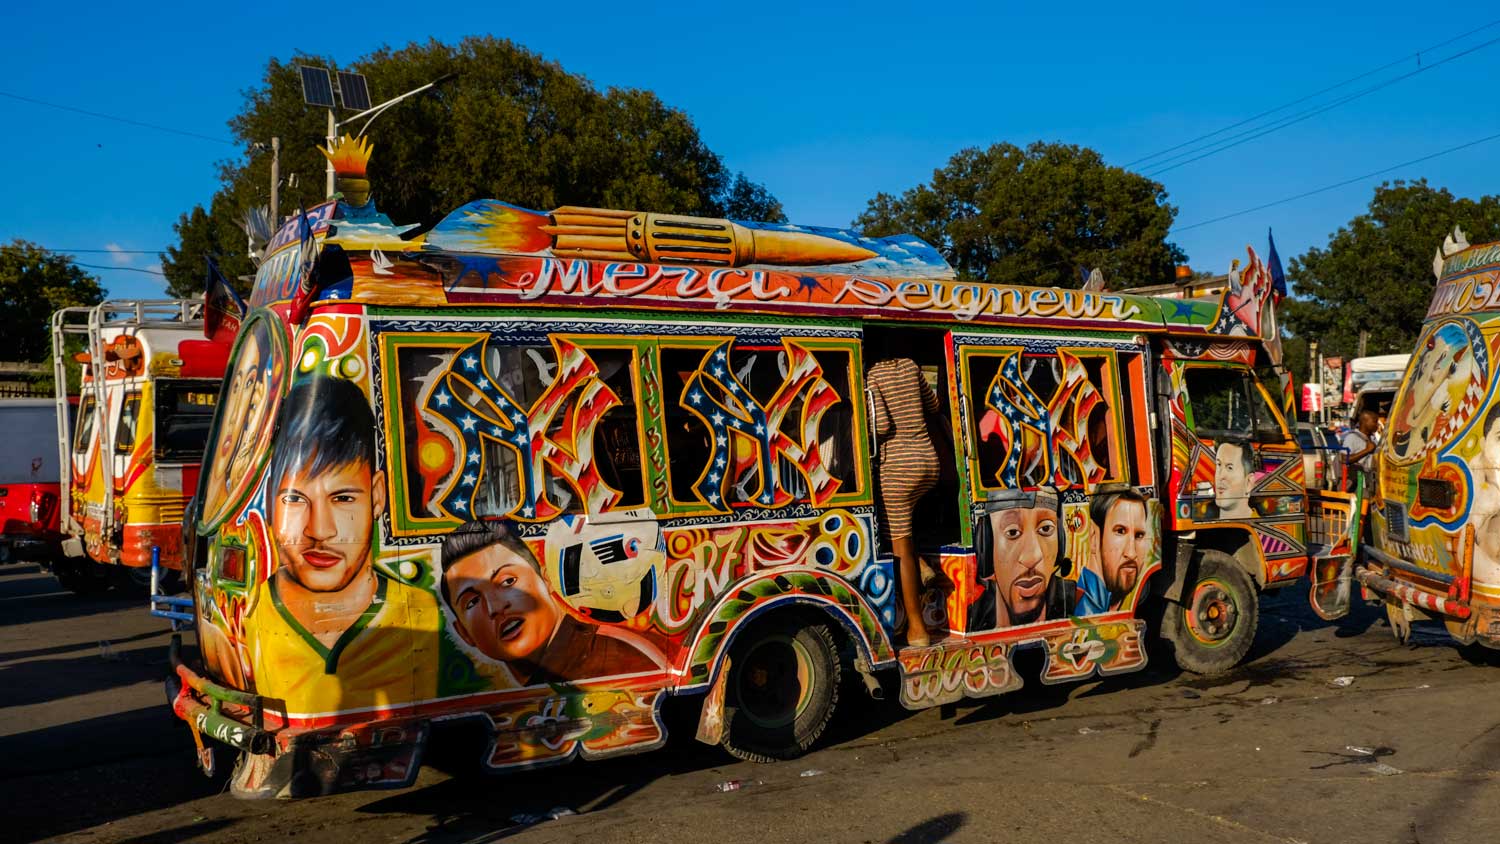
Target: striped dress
x: 908, y: 463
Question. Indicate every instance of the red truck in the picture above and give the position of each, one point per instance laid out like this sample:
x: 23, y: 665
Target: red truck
x: 30, y: 499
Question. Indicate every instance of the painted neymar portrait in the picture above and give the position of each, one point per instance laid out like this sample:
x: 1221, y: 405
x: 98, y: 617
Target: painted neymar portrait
x: 334, y: 631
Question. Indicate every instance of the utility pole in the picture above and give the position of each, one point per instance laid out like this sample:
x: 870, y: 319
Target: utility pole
x: 1312, y: 373
x: 275, y: 183
x: 1364, y: 337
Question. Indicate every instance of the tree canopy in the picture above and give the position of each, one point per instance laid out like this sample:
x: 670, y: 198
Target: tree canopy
x: 1035, y: 216
x: 1375, y: 274
x: 510, y: 126
x: 33, y: 284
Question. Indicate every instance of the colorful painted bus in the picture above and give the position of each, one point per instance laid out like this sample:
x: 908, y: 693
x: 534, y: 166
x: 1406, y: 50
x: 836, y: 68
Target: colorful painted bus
x: 542, y: 470
x: 1433, y: 552
x: 149, y: 383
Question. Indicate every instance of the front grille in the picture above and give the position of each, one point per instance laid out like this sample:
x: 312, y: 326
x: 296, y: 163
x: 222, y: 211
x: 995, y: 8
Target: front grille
x: 1435, y: 493
x: 1395, y: 521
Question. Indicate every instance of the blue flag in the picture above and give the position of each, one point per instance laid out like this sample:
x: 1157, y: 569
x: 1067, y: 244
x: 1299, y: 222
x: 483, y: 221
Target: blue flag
x: 1278, y: 278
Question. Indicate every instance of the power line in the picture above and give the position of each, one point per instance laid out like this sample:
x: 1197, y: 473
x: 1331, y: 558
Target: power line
x: 1417, y: 55
x: 1304, y: 115
x: 126, y: 269
x: 1326, y: 188
x: 125, y: 120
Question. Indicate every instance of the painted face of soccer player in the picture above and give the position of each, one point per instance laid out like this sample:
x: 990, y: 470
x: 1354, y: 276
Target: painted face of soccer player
x: 503, y: 606
x: 1025, y: 541
x: 324, y: 523
x: 1231, y: 481
x: 1123, y: 546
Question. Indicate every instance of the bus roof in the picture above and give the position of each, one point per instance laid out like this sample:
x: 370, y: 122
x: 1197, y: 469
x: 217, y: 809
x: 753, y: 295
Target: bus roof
x: 489, y: 253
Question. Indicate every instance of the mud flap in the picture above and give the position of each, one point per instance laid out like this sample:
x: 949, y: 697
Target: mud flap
x: 711, y: 721
x: 1332, y: 586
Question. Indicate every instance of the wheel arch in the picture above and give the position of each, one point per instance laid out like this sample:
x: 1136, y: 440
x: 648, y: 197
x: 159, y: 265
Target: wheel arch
x: 857, y: 623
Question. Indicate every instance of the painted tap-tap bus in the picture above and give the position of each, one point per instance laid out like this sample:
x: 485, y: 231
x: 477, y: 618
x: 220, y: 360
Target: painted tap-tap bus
x: 543, y: 470
x: 149, y: 385
x: 1433, y: 552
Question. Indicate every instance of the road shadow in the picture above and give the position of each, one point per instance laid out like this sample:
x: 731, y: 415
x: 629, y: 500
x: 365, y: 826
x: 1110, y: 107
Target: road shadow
x: 51, y: 606
x: 42, y: 680
x: 87, y: 773
x: 931, y: 831
x: 11, y: 656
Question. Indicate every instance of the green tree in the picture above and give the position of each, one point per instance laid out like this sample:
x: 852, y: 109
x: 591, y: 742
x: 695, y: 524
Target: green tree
x: 1375, y: 275
x: 510, y: 126
x: 33, y: 284
x: 1035, y: 216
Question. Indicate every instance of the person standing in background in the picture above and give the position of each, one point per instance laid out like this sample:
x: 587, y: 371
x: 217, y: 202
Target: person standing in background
x: 908, y: 469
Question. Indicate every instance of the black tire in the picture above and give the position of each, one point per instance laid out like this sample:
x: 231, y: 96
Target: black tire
x: 782, y: 689
x: 81, y: 576
x: 1213, y: 627
x: 131, y: 580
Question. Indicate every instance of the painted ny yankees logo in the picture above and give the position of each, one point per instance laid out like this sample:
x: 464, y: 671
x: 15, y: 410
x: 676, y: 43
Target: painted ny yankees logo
x: 468, y: 396
x: 747, y: 438
x: 1038, y: 435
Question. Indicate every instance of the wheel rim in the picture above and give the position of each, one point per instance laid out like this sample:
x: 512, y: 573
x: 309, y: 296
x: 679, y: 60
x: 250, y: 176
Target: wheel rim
x: 774, y: 681
x: 1212, y: 614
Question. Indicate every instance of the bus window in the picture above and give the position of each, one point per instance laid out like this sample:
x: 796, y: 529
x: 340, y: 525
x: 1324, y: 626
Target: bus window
x: 617, y: 440
x: 722, y: 468
x: 184, y: 412
x: 130, y: 414
x: 85, y: 426
x: 1267, y: 421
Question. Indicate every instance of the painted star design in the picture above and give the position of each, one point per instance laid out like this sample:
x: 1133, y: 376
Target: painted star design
x: 713, y: 478
x: 718, y: 418
x: 469, y: 422
x: 696, y: 397
x: 442, y: 398
x: 469, y: 480
x: 518, y: 418
x: 460, y: 506
x: 723, y: 441
x: 713, y: 497
x: 497, y: 431
x: 528, y: 511
x: 470, y: 362
x: 473, y: 458
x: 759, y: 428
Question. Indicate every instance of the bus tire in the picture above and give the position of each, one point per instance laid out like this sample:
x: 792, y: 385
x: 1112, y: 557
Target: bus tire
x: 81, y: 576
x: 782, y: 689
x: 1213, y: 626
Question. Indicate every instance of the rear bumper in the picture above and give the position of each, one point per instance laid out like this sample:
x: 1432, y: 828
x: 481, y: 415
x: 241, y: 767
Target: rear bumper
x: 27, y: 548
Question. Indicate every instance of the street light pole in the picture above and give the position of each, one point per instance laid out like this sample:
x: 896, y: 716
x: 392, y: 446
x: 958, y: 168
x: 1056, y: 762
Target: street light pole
x: 275, y: 182
x: 370, y: 114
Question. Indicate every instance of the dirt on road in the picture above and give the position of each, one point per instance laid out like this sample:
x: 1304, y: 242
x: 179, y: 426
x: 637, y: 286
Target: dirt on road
x: 1406, y: 749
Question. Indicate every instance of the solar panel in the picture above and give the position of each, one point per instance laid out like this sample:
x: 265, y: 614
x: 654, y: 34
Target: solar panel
x: 354, y: 91
x: 317, y: 88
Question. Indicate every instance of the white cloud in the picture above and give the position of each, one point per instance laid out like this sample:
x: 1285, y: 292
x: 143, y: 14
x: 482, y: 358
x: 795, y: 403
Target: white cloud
x: 118, y: 255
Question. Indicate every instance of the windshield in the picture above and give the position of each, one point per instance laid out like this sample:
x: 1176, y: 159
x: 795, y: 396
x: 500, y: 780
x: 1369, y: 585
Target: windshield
x: 184, y: 412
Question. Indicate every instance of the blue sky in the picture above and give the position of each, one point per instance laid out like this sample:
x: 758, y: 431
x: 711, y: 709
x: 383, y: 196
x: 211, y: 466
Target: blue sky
x: 825, y: 105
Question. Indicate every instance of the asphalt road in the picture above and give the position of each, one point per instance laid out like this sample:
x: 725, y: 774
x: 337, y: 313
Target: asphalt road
x: 1406, y: 752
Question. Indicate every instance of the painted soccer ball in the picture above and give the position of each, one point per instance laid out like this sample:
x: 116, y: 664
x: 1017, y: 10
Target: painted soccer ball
x: 607, y: 572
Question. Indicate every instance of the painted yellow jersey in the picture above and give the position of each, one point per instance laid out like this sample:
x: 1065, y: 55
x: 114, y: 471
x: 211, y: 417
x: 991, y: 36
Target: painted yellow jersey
x: 387, y: 657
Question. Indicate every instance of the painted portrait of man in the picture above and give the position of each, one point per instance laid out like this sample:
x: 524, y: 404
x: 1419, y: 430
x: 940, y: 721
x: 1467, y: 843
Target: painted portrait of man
x: 243, y: 423
x: 1234, y: 472
x: 333, y: 631
x: 1485, y: 511
x: 1123, y: 540
x: 504, y: 609
x: 1019, y: 541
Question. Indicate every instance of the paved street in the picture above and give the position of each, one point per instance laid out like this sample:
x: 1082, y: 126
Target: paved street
x: 1406, y: 752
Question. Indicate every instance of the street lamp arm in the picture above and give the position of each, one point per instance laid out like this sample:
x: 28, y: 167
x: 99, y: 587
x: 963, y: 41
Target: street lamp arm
x: 369, y: 115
